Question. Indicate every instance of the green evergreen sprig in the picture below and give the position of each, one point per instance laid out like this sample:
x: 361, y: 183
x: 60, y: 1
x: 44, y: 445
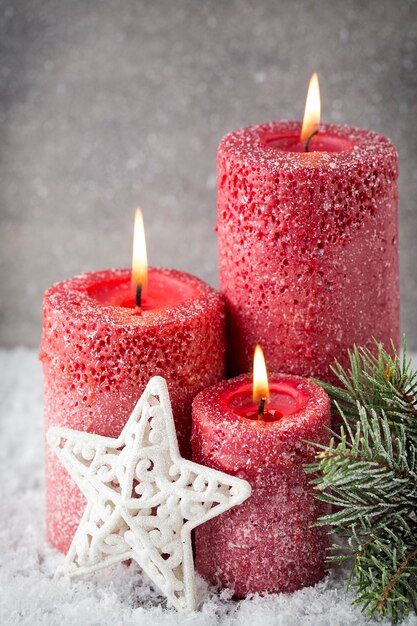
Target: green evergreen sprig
x: 368, y: 474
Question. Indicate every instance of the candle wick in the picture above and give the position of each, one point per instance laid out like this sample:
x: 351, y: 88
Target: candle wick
x: 316, y: 132
x: 261, y: 406
x: 138, y: 300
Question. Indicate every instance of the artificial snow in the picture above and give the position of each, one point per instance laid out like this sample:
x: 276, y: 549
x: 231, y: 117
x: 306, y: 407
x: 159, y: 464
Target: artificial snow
x: 120, y: 595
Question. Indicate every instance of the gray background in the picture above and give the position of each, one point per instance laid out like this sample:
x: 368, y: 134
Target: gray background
x: 109, y: 104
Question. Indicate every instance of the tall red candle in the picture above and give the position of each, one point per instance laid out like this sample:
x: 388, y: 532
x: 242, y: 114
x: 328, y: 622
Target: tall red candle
x: 98, y: 354
x: 308, y: 246
x: 267, y: 544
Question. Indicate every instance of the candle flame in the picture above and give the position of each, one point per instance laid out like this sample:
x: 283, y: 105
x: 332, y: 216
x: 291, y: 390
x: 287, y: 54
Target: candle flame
x: 139, y: 258
x: 311, y: 120
x: 260, y: 376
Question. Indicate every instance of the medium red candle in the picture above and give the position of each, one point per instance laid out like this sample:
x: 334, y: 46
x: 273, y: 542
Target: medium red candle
x: 267, y: 544
x: 99, y: 350
x: 308, y: 245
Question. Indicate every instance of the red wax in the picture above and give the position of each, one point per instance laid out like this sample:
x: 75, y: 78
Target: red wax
x: 308, y: 244
x: 284, y: 399
x: 98, y: 354
x: 266, y: 544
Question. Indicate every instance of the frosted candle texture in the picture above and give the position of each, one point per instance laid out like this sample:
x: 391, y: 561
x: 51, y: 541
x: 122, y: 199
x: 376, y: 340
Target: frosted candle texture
x: 97, y: 359
x: 308, y: 246
x: 267, y: 544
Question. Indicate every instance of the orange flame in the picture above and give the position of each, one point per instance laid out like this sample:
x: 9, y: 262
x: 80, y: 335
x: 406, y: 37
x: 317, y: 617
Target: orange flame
x: 312, y: 111
x: 260, y: 376
x: 139, y: 258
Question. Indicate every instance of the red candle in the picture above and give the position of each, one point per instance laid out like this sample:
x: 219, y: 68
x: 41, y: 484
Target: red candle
x: 308, y: 245
x: 267, y: 544
x: 99, y: 350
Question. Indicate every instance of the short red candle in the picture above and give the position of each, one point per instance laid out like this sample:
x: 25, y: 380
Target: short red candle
x: 308, y: 244
x: 98, y: 354
x: 265, y: 545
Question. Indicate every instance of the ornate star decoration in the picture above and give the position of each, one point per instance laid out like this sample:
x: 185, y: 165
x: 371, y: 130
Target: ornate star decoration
x: 143, y: 498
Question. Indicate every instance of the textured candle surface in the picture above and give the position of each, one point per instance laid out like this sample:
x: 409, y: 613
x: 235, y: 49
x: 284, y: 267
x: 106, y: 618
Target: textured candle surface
x: 308, y: 245
x: 98, y: 358
x: 267, y: 544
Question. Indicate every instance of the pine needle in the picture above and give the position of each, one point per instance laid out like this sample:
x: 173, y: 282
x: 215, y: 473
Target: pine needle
x: 368, y: 472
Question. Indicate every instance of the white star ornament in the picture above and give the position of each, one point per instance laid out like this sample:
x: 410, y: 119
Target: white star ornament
x: 143, y: 498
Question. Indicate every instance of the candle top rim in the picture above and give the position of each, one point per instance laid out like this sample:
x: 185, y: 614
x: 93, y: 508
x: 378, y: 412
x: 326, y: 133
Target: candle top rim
x: 73, y: 296
x: 217, y: 398
x: 250, y: 144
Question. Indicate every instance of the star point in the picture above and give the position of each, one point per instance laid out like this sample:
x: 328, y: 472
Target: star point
x: 143, y: 498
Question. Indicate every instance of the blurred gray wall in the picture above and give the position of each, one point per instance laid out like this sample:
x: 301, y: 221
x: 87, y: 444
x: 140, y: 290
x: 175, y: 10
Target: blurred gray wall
x: 109, y: 104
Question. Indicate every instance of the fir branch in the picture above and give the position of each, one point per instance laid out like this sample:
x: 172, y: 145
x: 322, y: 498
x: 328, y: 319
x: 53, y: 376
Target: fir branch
x: 386, y: 381
x: 368, y: 472
x: 385, y: 596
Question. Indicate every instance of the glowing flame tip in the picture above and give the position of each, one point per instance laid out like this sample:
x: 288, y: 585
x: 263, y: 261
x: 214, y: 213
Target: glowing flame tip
x: 312, y: 111
x: 139, y: 257
x: 260, y: 376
